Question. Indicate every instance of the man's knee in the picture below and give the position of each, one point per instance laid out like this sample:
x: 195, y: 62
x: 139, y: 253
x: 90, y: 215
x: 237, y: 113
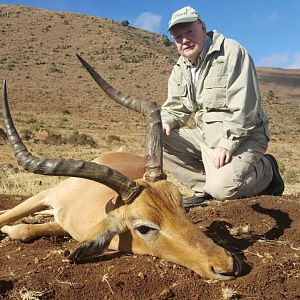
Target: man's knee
x: 221, y: 189
x: 233, y: 181
x: 223, y: 194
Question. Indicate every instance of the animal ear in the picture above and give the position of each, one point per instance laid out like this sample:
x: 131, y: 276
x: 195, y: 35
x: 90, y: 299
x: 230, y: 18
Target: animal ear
x: 98, y: 239
x: 88, y: 249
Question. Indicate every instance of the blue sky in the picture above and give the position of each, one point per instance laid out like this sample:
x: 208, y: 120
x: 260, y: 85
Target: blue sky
x: 269, y: 29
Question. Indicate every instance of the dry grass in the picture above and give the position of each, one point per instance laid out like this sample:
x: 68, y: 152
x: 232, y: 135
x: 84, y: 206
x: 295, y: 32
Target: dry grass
x: 20, y: 183
x: 288, y: 154
x: 25, y: 294
x: 229, y: 294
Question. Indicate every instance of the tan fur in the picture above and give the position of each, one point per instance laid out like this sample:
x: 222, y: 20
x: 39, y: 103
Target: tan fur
x: 90, y: 211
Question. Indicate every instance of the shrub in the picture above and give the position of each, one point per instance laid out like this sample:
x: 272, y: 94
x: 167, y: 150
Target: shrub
x: 166, y: 41
x: 124, y: 23
x: 270, y: 95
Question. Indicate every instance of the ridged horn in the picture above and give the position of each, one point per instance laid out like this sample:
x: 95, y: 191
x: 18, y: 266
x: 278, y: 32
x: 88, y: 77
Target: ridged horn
x: 153, y: 147
x: 121, y: 184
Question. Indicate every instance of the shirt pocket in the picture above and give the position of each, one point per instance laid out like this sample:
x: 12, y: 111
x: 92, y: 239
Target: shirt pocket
x: 179, y: 90
x: 213, y: 127
x: 214, y: 92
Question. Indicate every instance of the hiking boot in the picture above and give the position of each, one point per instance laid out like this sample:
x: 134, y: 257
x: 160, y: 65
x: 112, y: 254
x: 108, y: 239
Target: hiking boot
x: 194, y: 201
x: 276, y: 186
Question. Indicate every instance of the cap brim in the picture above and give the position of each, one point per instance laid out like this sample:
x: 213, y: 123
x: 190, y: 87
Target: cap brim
x: 182, y: 20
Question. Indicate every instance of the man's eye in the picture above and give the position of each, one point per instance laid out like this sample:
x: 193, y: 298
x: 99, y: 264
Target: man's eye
x: 177, y: 37
x: 144, y: 229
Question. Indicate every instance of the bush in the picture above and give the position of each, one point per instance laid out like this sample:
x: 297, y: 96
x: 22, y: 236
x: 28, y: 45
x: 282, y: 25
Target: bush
x: 166, y: 41
x: 270, y: 95
x: 124, y: 23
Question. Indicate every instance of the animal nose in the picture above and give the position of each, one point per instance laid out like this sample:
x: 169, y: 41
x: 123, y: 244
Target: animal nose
x: 237, y: 267
x: 236, y: 271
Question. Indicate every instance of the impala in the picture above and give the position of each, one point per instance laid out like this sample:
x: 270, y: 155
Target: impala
x: 119, y: 201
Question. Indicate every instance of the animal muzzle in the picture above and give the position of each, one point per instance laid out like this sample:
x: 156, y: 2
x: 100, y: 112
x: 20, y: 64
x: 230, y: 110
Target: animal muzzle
x: 237, y: 269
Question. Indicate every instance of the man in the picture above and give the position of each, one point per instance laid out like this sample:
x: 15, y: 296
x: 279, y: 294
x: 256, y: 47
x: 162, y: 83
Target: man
x: 223, y: 156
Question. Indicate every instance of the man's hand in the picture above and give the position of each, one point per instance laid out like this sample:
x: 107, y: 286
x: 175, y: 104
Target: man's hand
x: 166, y: 128
x: 221, y: 157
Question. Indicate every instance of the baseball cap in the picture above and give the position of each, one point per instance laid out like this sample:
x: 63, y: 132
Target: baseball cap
x: 186, y: 14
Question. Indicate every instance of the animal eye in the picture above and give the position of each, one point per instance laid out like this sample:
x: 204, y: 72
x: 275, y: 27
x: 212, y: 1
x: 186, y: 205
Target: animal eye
x: 144, y: 229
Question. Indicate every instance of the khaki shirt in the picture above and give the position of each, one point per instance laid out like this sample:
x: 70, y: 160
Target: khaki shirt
x: 225, y: 96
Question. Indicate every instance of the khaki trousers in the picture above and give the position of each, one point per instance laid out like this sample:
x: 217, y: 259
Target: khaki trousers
x: 190, y: 160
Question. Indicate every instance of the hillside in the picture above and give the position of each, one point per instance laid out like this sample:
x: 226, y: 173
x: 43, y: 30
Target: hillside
x: 285, y: 83
x: 48, y: 88
x: 38, y: 59
x: 40, y: 46
x: 60, y: 112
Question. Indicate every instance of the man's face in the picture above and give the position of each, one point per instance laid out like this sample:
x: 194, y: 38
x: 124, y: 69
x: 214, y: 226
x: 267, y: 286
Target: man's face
x: 189, y: 39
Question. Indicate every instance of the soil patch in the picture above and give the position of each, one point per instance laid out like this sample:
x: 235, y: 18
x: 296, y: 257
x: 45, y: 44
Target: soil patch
x: 264, y: 230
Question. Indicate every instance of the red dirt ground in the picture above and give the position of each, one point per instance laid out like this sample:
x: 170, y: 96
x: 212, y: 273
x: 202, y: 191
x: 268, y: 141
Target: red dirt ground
x: 265, y: 230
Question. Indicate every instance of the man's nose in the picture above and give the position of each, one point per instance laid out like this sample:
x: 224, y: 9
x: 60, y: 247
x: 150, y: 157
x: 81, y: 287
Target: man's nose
x: 185, y: 40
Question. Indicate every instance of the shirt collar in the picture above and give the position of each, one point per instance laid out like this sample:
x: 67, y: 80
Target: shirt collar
x: 207, y: 44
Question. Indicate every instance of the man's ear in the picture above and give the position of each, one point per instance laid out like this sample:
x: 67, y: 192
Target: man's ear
x: 98, y: 240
